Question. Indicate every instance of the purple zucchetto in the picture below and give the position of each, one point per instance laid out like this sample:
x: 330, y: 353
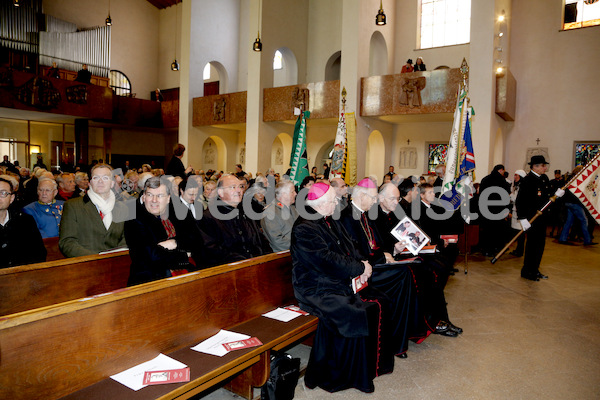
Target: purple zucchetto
x: 317, y: 191
x: 367, y: 183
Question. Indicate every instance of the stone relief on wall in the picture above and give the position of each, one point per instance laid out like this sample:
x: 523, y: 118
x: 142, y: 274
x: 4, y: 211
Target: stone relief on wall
x: 300, y: 99
x: 242, y: 155
x: 408, y: 158
x: 411, y: 91
x: 279, y: 156
x: 219, y: 109
x: 209, y: 156
x: 535, y: 151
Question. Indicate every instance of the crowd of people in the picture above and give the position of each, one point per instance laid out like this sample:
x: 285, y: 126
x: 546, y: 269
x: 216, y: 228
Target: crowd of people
x: 180, y: 220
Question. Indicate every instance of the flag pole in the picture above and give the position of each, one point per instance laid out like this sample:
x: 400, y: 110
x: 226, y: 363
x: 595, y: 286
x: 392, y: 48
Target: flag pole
x: 541, y: 210
x: 464, y: 70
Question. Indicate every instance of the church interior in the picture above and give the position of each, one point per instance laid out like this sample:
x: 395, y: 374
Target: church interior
x: 188, y: 71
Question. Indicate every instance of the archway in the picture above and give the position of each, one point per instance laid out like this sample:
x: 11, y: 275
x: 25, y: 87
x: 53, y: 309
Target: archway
x: 215, y: 78
x: 332, y: 68
x: 378, y: 55
x: 324, y: 156
x: 281, y: 152
x: 285, y: 68
x: 214, y: 154
x: 375, y: 160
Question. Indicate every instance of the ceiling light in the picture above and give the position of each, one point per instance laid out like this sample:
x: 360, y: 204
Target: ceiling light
x: 380, y: 17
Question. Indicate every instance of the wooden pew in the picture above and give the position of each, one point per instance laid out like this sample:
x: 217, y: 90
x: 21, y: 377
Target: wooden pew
x: 38, y: 285
x: 71, y: 349
x: 53, y: 251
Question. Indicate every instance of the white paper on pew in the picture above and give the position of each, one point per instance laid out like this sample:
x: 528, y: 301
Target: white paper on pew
x: 281, y: 314
x: 133, y: 378
x: 214, y: 344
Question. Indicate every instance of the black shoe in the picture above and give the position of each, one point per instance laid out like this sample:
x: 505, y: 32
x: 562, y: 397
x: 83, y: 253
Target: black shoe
x: 530, y: 277
x: 567, y: 243
x: 402, y: 355
x: 590, y: 244
x: 541, y: 276
x: 443, y: 328
x: 454, y: 328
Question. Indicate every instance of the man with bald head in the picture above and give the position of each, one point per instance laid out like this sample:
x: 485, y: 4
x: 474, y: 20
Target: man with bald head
x: 227, y: 232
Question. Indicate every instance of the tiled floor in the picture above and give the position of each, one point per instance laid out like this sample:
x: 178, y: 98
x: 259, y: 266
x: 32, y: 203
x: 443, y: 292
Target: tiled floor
x: 522, y: 339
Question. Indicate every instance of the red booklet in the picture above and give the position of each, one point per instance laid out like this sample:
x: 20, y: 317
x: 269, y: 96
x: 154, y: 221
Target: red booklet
x: 169, y: 376
x: 242, y: 344
x: 450, y: 238
x: 357, y: 286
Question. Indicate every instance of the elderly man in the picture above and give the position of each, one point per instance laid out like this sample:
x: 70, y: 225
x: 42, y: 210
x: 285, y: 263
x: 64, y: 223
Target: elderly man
x: 227, y: 232
x: 156, y: 247
x: 280, y: 216
x: 440, y: 171
x: 66, y: 186
x: 209, y: 193
x: 20, y: 239
x: 82, y: 180
x: 93, y: 223
x: 431, y: 276
x: 47, y: 211
x: 351, y: 345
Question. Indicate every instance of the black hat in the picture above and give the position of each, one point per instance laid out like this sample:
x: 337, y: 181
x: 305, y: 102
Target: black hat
x: 409, y: 61
x: 538, y: 160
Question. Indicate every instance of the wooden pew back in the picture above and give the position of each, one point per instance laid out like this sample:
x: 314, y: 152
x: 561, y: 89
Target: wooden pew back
x: 53, y: 351
x: 52, y: 249
x: 38, y: 285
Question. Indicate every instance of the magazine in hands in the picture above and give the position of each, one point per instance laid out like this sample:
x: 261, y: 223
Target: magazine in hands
x: 411, y: 235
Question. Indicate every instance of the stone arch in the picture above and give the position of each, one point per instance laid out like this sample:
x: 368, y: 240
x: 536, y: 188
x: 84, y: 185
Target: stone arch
x: 378, y: 55
x: 214, y: 154
x: 280, y: 162
x: 375, y: 160
x: 218, y: 73
x: 333, y: 66
x: 288, y: 74
x: 324, y: 156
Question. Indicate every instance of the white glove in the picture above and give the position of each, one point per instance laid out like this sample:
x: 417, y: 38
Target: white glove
x: 525, y: 224
x: 559, y: 192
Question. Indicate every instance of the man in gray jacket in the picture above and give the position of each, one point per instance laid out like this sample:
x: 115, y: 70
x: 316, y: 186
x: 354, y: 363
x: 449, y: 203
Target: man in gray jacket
x: 280, y: 216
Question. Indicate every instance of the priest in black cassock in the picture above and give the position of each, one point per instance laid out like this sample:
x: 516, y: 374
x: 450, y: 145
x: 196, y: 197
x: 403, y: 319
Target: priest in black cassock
x: 349, y: 349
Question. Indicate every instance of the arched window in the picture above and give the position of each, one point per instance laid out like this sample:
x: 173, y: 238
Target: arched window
x: 120, y: 83
x: 444, y: 23
x: 206, y: 73
x: 278, y: 60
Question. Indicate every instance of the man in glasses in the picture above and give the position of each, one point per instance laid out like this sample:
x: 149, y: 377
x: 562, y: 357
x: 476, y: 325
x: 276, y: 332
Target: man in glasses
x: 227, y: 232
x: 93, y: 223
x: 20, y: 239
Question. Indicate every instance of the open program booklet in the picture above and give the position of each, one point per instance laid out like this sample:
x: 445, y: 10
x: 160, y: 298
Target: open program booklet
x: 411, y: 235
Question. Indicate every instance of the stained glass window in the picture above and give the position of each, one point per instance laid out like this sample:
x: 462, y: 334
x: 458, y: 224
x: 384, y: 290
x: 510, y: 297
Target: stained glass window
x: 584, y: 152
x: 437, y: 155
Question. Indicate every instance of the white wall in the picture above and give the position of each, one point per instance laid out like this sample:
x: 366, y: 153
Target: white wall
x: 324, y: 21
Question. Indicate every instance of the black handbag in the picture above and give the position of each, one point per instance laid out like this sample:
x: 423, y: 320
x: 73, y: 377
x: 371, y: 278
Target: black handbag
x: 283, y: 378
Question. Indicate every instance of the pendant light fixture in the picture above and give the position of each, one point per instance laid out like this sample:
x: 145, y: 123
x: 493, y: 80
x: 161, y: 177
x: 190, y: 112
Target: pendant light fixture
x: 257, y: 45
x: 380, y: 17
x: 108, y: 20
x: 175, y: 63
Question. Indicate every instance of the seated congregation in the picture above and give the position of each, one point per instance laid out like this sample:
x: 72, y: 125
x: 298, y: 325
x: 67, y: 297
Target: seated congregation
x: 174, y: 224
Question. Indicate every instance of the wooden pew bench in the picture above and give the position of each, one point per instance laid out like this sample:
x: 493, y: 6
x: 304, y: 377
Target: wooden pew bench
x: 27, y: 287
x: 71, y: 349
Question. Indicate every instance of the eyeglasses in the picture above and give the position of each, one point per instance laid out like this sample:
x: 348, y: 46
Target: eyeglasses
x: 4, y: 194
x: 105, y: 178
x: 159, y: 196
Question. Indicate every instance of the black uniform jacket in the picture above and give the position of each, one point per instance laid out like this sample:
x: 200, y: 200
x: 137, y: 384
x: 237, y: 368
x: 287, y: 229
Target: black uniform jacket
x: 534, y: 193
x: 20, y: 241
